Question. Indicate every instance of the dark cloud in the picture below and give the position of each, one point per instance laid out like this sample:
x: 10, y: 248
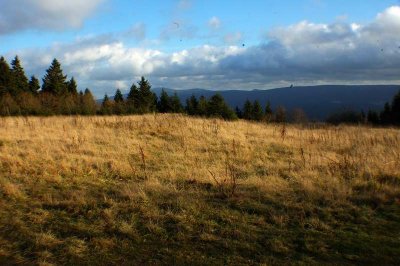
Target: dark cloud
x: 44, y: 14
x: 305, y: 53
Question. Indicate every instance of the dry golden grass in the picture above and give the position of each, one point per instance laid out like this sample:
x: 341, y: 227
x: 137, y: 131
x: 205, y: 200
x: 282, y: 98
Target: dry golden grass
x: 162, y: 189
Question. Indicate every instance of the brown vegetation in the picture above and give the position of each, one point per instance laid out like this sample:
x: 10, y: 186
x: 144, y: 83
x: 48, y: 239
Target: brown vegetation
x: 169, y: 189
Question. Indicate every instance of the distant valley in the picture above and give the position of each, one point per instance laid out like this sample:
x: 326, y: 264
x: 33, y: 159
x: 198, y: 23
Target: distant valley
x: 317, y: 101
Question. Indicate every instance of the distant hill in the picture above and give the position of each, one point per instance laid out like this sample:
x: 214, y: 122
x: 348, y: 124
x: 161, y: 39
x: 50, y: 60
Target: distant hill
x: 317, y: 101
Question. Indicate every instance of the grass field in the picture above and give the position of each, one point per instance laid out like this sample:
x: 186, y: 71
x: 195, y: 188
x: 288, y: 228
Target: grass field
x: 169, y: 189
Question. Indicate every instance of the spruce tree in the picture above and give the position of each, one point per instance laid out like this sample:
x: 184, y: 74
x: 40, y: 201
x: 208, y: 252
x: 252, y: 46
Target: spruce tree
x: 176, y: 105
x: 257, y: 112
x: 72, y: 87
x: 147, y: 99
x: 118, y: 97
x: 192, y: 105
x: 218, y: 108
x: 106, y: 106
x: 119, y: 106
x: 5, y: 77
x: 268, y: 112
x: 19, y: 79
x: 164, y: 104
x: 238, y: 112
x: 395, y: 109
x: 133, y: 99
x: 373, y: 117
x: 386, y: 114
x: 34, y: 85
x: 248, y: 110
x: 54, y: 82
x: 202, y: 106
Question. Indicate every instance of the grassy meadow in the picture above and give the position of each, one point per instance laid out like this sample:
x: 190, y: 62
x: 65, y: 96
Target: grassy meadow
x: 170, y: 189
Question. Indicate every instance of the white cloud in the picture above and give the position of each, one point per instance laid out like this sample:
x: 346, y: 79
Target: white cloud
x: 44, y: 14
x: 214, y: 23
x: 303, y: 53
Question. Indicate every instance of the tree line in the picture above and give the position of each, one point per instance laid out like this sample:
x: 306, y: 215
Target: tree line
x: 59, y: 95
x: 390, y: 115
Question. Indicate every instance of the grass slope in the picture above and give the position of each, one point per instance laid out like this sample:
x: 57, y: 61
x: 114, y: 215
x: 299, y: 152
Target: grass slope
x: 169, y: 189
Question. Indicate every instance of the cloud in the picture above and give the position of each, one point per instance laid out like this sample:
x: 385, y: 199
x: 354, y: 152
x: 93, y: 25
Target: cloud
x: 305, y: 53
x: 44, y: 14
x: 214, y: 23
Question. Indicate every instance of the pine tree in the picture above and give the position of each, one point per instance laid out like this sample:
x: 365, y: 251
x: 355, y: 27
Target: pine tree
x: 106, y: 106
x: 386, y: 114
x: 257, y: 112
x: 176, y: 105
x: 218, y: 108
x: 119, y: 106
x: 5, y: 77
x: 164, y: 104
x: 72, y: 87
x: 192, y: 105
x: 268, y: 112
x: 239, y: 112
x: 202, y: 106
x: 147, y: 99
x: 118, y: 97
x: 248, y: 110
x: 19, y: 79
x: 54, y: 81
x: 395, y: 109
x: 133, y: 99
x: 34, y: 85
x: 373, y: 117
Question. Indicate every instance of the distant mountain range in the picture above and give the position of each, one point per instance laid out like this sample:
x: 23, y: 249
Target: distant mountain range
x: 317, y: 101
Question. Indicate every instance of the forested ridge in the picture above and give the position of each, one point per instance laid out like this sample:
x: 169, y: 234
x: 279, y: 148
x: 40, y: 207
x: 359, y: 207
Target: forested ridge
x: 58, y: 95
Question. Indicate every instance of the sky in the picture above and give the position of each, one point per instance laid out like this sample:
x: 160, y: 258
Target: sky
x: 184, y: 44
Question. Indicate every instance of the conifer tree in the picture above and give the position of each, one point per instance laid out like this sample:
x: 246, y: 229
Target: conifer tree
x: 238, y: 112
x: 386, y: 114
x: 176, y: 105
x: 147, y: 99
x: 54, y: 82
x: 118, y: 97
x: 192, y: 105
x: 268, y: 109
x: 72, y: 87
x: 164, y: 104
x: 218, y: 108
x: 34, y: 85
x: 248, y: 110
x: 373, y: 117
x: 106, y: 106
x: 5, y: 77
x: 257, y: 112
x: 119, y: 107
x: 202, y: 106
x: 133, y: 99
x: 19, y: 79
x: 395, y: 109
